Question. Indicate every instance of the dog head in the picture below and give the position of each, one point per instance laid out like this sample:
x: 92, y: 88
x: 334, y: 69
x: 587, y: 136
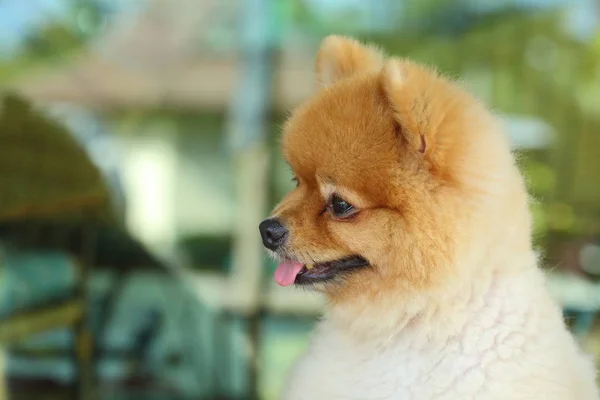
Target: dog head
x: 399, y: 173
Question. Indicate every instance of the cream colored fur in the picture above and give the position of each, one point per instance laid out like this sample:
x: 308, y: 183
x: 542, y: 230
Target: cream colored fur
x: 500, y: 337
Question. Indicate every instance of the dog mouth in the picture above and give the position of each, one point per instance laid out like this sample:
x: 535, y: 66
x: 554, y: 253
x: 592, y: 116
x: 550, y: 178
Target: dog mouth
x: 293, y: 272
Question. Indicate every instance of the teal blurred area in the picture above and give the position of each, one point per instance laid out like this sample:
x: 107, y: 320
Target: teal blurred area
x: 140, y: 152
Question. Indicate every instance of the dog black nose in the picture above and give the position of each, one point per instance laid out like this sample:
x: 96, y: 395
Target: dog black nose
x: 273, y: 233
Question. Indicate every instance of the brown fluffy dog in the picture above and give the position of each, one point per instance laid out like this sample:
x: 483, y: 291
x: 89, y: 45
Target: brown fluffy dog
x: 405, y: 148
x: 412, y: 217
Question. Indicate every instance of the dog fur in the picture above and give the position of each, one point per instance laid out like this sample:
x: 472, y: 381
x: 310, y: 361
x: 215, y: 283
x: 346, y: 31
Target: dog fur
x: 453, y: 304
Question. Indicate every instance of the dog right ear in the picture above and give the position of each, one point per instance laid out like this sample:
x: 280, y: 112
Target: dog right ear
x: 340, y: 57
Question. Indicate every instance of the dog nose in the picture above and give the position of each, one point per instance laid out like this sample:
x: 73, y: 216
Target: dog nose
x: 273, y: 233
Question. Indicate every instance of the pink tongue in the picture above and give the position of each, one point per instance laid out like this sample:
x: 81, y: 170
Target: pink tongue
x: 286, y: 272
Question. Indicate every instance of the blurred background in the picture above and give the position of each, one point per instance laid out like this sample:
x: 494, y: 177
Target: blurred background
x: 138, y: 153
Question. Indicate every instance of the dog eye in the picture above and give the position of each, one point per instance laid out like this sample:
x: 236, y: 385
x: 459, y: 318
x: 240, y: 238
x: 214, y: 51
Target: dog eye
x: 339, y: 207
x: 296, y: 181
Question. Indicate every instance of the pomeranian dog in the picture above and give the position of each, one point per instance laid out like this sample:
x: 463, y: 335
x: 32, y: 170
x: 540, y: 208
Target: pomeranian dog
x: 411, y: 216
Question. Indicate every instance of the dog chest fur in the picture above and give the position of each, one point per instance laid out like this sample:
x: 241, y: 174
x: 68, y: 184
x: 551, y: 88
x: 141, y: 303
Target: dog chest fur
x: 508, y: 344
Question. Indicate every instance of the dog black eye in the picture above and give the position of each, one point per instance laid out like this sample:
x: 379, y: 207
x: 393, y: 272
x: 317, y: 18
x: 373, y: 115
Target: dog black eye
x: 296, y: 181
x: 340, y: 207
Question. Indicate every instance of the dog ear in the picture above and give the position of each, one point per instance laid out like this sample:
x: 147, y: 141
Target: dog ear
x: 421, y: 101
x: 340, y: 57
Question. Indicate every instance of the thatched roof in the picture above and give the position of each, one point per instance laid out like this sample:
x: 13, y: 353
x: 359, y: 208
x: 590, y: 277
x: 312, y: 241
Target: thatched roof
x: 43, y: 170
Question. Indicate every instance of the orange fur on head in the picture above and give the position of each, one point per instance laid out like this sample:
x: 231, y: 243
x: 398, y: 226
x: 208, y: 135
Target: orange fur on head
x: 340, y: 57
x: 420, y: 159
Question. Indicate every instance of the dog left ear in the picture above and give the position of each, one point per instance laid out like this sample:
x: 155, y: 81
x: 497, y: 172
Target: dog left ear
x: 340, y: 57
x: 421, y: 102
x: 403, y: 88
